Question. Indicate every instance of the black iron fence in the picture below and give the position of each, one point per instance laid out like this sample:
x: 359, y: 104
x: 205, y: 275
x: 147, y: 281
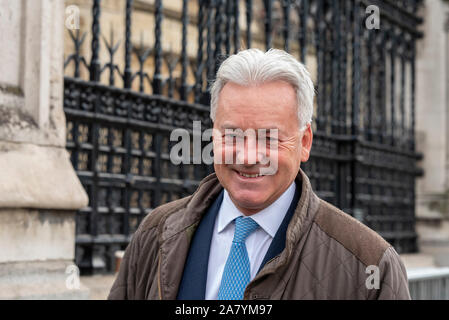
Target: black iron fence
x: 363, y: 157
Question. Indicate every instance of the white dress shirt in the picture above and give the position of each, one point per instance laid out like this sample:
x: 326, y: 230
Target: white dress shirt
x: 257, y: 243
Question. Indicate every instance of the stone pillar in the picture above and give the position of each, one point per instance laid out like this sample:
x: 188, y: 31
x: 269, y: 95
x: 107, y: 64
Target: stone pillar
x: 39, y: 190
x: 432, y: 125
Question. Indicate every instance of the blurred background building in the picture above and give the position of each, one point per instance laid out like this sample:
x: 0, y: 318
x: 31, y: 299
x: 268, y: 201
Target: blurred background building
x: 432, y: 127
x: 90, y: 91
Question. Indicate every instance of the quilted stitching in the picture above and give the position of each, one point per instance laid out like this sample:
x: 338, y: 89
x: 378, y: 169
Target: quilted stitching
x: 328, y: 268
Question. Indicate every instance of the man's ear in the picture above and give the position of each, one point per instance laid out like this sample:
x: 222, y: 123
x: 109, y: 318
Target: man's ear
x: 306, y: 143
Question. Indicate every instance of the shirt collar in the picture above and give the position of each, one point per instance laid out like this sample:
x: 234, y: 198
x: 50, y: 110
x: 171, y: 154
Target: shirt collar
x: 269, y: 219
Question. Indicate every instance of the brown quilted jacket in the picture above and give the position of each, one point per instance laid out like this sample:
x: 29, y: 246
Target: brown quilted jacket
x: 326, y: 254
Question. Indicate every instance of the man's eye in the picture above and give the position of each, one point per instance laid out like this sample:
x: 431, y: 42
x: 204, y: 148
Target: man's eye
x: 268, y: 139
x: 234, y: 136
x: 229, y: 138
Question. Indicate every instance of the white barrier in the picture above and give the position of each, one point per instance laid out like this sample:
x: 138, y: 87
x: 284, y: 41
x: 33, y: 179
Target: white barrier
x: 429, y: 283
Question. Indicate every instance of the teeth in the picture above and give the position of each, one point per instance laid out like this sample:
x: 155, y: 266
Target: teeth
x: 250, y: 175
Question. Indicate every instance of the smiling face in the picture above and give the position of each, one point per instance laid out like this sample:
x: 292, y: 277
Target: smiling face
x: 271, y: 105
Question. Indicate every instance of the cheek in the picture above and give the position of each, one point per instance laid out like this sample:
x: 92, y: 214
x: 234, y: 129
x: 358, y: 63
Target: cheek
x: 223, y: 171
x: 289, y: 159
x: 223, y: 154
x: 222, y: 148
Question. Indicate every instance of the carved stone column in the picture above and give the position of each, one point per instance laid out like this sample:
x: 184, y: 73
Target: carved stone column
x: 39, y: 190
x: 433, y: 132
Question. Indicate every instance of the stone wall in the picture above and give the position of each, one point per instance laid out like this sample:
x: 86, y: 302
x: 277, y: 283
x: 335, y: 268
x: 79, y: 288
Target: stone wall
x: 39, y: 190
x: 432, y: 126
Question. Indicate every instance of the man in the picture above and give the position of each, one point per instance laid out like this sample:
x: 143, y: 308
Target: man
x: 251, y: 232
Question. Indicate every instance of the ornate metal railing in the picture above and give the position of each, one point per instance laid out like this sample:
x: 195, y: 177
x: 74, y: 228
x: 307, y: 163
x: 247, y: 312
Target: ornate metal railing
x: 119, y: 115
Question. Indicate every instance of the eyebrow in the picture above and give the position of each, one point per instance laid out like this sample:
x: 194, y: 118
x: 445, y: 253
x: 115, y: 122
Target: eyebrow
x: 232, y: 126
x: 228, y: 125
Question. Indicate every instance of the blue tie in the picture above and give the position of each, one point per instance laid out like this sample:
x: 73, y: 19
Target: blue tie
x: 237, y: 272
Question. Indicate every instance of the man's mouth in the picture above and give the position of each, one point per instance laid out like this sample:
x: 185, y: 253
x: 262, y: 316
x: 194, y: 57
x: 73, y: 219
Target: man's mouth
x: 249, y: 175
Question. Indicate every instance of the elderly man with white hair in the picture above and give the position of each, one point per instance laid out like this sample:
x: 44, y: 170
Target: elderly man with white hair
x: 253, y: 230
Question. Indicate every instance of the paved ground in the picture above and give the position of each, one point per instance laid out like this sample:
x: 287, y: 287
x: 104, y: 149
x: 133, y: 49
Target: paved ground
x: 99, y: 285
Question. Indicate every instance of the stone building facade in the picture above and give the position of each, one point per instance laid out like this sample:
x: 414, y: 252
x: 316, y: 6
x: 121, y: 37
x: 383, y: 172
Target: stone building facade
x: 432, y: 100
x: 39, y: 190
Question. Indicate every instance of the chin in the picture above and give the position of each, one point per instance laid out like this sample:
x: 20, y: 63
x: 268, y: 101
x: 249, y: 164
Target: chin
x: 248, y: 199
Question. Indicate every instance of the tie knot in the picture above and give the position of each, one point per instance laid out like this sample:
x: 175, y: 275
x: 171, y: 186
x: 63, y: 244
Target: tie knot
x: 244, y: 226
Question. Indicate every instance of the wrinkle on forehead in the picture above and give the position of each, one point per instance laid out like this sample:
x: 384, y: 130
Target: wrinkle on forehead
x: 269, y: 105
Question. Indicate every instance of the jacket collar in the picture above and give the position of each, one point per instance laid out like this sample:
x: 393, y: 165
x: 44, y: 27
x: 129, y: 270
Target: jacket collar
x: 200, y: 201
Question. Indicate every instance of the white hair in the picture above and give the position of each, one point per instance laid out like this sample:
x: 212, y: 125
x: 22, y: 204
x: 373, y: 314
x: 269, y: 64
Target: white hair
x: 253, y: 66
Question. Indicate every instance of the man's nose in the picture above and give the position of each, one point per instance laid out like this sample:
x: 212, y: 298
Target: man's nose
x: 246, y: 152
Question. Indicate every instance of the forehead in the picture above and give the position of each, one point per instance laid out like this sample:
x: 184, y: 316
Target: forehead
x: 268, y: 105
